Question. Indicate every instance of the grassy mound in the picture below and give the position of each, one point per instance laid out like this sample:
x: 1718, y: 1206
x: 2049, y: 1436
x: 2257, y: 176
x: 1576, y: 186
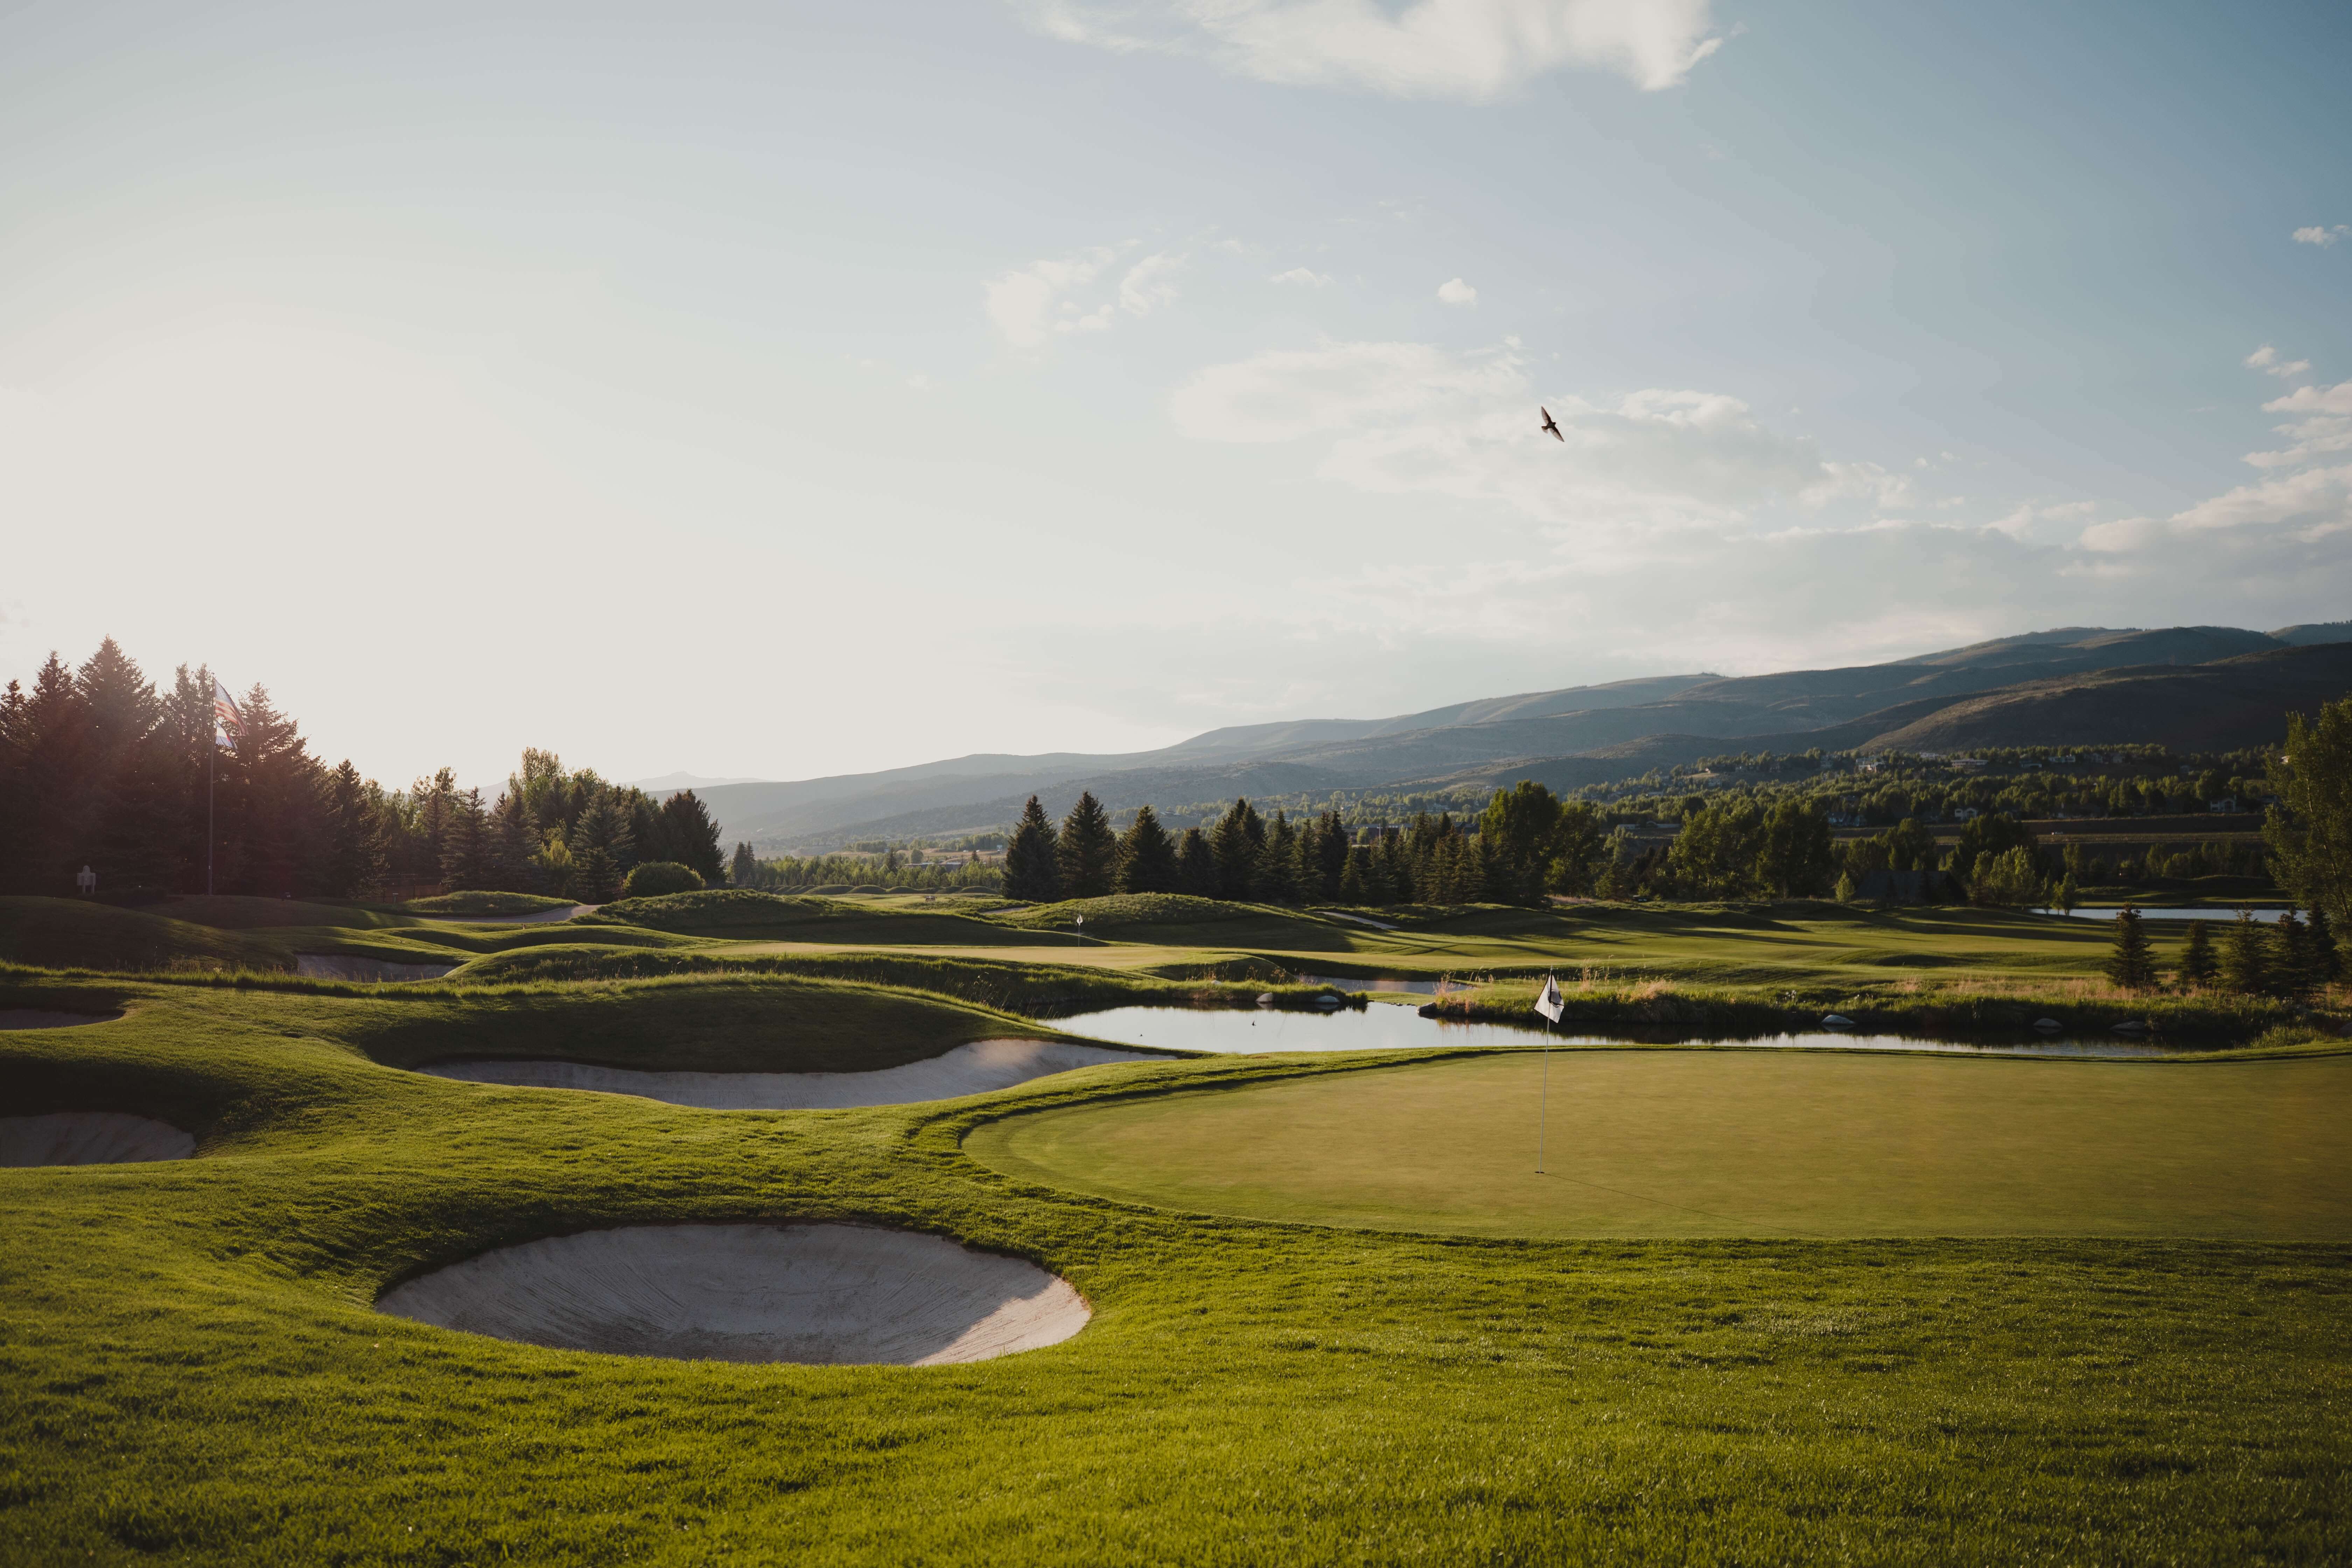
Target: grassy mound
x: 1180, y: 919
x: 238, y: 911
x: 735, y: 1023
x: 67, y: 934
x: 743, y: 914
x: 479, y: 902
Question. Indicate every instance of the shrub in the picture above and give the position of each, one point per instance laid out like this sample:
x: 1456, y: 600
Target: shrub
x: 656, y: 878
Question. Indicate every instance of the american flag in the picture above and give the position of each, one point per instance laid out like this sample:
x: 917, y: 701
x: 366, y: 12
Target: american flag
x: 227, y: 722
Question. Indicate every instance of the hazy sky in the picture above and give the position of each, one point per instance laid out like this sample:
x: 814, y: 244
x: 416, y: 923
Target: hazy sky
x: 783, y: 389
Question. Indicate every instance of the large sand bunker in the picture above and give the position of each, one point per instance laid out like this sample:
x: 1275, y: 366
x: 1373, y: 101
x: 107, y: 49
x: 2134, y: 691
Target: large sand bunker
x: 90, y: 1138
x: 43, y: 1018
x: 975, y: 1068
x: 367, y: 971
x: 825, y: 1294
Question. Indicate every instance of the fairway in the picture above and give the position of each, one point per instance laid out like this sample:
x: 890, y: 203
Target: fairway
x: 1725, y: 1143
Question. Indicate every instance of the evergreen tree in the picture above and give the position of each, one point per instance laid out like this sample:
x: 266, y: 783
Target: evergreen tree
x: 601, y: 849
x: 1147, y: 855
x: 1235, y: 842
x: 689, y: 836
x: 1518, y: 824
x: 1196, y: 865
x: 1330, y: 852
x: 2310, y: 830
x: 2245, y: 966
x: 745, y: 871
x: 2131, y: 964
x: 1086, y: 854
x: 507, y: 848
x: 2198, y: 967
x: 465, y: 848
x: 1275, y: 880
x: 1031, y: 874
x: 1353, y: 877
x: 355, y: 849
x: 2290, y: 957
x: 2326, y: 958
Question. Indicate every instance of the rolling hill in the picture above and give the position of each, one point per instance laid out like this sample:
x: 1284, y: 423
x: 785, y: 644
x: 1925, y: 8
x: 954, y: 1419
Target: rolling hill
x: 2193, y: 688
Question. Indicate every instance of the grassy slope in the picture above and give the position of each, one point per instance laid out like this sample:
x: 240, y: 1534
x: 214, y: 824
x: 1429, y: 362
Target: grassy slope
x: 742, y: 914
x: 58, y: 933
x: 1735, y: 1143
x: 448, y: 905
x: 190, y: 1366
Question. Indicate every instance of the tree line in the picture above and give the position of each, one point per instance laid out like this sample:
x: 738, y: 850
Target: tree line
x: 2293, y: 957
x: 100, y: 767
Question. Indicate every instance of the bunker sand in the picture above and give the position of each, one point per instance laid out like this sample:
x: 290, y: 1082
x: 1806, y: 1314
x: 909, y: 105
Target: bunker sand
x: 978, y: 1067
x: 90, y: 1138
x: 822, y: 1294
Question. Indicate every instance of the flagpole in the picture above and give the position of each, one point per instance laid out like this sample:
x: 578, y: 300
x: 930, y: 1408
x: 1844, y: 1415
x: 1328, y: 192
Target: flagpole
x: 1543, y: 1113
x: 210, y: 747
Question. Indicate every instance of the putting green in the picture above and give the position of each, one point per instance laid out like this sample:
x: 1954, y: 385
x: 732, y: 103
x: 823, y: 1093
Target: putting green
x: 1682, y: 1143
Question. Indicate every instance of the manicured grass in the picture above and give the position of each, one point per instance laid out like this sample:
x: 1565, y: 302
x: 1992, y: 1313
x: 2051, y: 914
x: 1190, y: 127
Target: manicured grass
x: 743, y: 914
x: 1734, y: 1142
x: 477, y: 902
x: 190, y: 1369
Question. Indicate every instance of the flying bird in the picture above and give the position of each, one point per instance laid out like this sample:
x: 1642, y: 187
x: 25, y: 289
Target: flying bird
x: 1549, y: 425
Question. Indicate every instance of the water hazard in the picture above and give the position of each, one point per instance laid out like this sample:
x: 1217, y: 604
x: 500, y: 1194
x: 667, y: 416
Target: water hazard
x: 1388, y: 1026
x: 2150, y: 913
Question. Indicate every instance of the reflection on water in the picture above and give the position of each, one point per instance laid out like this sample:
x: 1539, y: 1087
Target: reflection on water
x: 1378, y: 1027
x: 1385, y: 983
x: 2150, y: 913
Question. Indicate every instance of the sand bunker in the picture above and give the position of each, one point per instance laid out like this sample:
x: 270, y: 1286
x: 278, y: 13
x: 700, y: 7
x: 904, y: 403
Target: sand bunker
x: 367, y: 970
x: 975, y: 1068
x: 39, y: 1018
x: 90, y: 1138
x: 825, y: 1294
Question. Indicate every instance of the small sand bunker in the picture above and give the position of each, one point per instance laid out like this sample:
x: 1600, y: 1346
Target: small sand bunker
x: 39, y: 1018
x: 975, y: 1068
x: 367, y: 970
x: 825, y: 1294
x: 90, y: 1138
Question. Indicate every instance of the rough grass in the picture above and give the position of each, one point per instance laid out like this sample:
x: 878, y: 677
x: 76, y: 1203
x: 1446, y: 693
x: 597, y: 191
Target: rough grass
x: 190, y: 1369
x: 60, y: 932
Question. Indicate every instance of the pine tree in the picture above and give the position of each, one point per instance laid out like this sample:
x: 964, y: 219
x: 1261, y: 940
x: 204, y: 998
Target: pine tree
x: 1352, y: 876
x: 1030, y: 873
x: 1330, y: 854
x: 1276, y: 878
x: 2245, y: 967
x: 2326, y: 958
x: 1235, y: 842
x: 745, y: 871
x: 1196, y: 865
x: 2131, y: 964
x: 2197, y: 964
x: 505, y: 851
x: 1147, y: 855
x: 1086, y: 854
x: 689, y: 836
x: 602, y: 848
x: 2290, y: 957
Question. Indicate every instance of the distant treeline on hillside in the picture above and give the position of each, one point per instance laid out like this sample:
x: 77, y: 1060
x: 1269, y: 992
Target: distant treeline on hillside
x: 99, y: 769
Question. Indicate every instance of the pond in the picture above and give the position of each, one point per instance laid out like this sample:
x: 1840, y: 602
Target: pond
x: 2150, y: 913
x: 1392, y: 1028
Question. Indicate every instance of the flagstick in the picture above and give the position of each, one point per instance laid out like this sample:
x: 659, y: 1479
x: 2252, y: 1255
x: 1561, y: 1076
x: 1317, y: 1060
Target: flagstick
x: 210, y: 747
x: 1544, y: 1112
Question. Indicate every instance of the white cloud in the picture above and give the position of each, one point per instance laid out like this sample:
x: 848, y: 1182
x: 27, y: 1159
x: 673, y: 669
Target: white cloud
x: 1454, y: 292
x: 2326, y: 425
x: 1302, y: 275
x: 1414, y: 417
x: 2321, y: 235
x: 1034, y: 303
x: 1475, y: 49
x: 2266, y: 359
x: 1147, y: 287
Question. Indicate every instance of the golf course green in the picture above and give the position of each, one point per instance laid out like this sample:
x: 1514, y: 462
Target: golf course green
x: 1761, y: 1308
x: 1732, y: 1144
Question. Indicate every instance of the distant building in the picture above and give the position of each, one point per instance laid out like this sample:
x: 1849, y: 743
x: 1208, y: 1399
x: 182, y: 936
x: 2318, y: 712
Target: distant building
x: 2227, y: 804
x: 1967, y: 765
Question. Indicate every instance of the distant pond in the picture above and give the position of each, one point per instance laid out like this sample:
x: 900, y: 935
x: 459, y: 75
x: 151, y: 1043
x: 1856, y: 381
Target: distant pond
x: 1383, y: 1026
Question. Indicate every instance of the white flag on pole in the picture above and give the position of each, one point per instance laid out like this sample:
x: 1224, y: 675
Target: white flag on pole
x: 1548, y: 1001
